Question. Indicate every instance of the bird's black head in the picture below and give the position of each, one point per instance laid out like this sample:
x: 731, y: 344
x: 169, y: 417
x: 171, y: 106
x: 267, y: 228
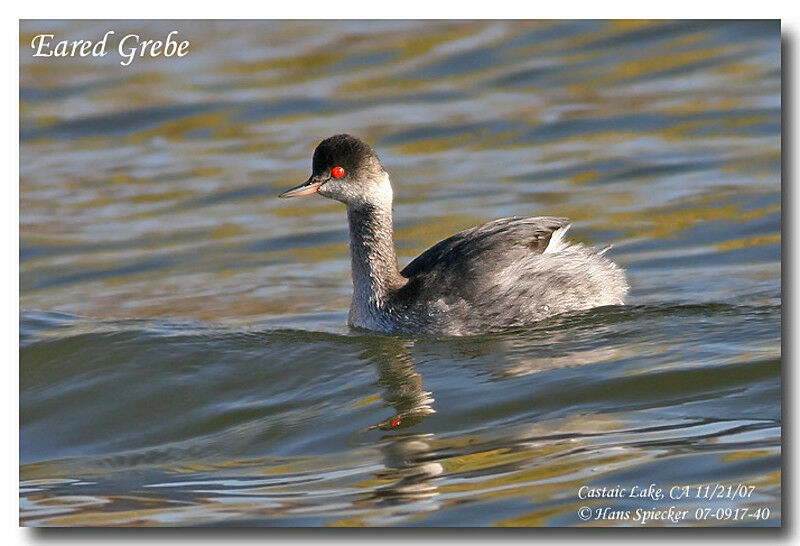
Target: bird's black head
x: 347, y: 152
x: 348, y: 170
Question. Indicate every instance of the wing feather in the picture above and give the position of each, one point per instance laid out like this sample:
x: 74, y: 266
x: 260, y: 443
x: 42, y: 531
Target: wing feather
x: 500, y: 240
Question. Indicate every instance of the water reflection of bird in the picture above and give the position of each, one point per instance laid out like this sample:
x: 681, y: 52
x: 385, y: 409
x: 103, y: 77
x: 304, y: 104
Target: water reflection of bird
x: 407, y: 464
x: 508, y: 272
x: 403, y: 387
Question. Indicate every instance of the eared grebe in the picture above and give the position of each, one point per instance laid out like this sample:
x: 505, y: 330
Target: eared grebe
x: 509, y: 272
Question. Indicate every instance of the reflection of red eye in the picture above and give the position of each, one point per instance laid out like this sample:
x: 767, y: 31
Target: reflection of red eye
x: 396, y: 422
x: 337, y: 172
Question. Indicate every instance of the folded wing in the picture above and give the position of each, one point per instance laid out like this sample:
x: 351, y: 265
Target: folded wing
x: 484, y: 247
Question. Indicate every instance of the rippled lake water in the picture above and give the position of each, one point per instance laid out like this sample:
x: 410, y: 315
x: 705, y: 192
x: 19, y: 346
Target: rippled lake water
x: 184, y: 354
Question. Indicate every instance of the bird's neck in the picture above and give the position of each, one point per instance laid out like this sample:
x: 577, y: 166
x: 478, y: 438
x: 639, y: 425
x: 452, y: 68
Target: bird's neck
x: 374, y: 261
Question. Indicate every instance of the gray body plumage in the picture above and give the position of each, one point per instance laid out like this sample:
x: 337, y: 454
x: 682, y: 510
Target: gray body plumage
x: 506, y: 273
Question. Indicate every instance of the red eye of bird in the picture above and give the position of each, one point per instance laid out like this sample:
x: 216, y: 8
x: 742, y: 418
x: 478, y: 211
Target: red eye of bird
x: 337, y: 172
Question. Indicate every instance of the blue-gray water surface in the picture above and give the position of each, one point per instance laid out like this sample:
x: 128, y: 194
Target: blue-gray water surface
x: 184, y: 354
